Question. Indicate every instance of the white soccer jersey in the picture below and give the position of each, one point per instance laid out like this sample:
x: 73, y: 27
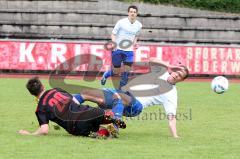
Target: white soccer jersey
x: 168, y: 99
x: 125, y: 30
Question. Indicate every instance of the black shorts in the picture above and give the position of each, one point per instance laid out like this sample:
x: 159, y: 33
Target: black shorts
x: 89, y: 119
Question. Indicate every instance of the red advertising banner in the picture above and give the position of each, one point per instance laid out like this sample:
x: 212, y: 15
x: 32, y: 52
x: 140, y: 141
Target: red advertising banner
x: 93, y: 57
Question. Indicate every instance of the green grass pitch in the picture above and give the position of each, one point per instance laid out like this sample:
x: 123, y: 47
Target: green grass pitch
x: 208, y: 123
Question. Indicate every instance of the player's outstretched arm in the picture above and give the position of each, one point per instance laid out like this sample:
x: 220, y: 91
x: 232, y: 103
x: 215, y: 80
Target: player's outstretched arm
x: 172, y: 126
x: 42, y: 130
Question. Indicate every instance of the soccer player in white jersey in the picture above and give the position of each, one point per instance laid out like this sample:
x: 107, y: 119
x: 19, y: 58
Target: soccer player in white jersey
x: 135, y: 95
x: 124, y: 38
x: 165, y: 77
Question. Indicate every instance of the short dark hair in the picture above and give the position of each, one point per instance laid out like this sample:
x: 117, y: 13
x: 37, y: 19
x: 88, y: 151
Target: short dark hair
x: 133, y: 7
x: 186, y: 70
x: 34, y: 86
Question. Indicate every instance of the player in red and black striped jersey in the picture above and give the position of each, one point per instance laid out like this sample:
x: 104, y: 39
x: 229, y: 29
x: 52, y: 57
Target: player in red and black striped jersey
x: 57, y: 105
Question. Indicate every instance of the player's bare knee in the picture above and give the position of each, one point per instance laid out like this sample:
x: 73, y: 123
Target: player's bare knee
x: 170, y: 116
x: 127, y: 68
x: 116, y: 71
x: 100, y: 101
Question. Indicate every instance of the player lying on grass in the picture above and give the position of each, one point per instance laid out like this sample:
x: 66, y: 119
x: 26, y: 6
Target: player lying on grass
x: 57, y: 105
x: 130, y: 102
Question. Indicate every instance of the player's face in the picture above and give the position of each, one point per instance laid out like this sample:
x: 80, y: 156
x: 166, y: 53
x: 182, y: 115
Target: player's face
x: 132, y: 14
x: 177, y: 76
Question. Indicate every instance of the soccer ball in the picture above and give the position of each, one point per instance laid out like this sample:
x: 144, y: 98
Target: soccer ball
x: 219, y: 84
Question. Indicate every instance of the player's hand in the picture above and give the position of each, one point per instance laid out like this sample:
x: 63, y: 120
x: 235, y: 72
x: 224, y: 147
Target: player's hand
x: 110, y: 46
x: 23, y: 132
x: 136, y: 46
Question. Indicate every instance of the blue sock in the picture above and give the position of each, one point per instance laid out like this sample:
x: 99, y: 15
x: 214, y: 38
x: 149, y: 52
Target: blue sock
x: 108, y: 73
x: 79, y: 98
x: 118, y: 108
x: 124, y: 79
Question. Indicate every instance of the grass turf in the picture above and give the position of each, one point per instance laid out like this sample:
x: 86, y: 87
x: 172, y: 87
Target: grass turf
x: 208, y: 124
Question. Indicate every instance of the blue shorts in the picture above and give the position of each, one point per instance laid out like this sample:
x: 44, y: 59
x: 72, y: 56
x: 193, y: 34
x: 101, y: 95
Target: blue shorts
x: 133, y: 109
x: 120, y: 56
